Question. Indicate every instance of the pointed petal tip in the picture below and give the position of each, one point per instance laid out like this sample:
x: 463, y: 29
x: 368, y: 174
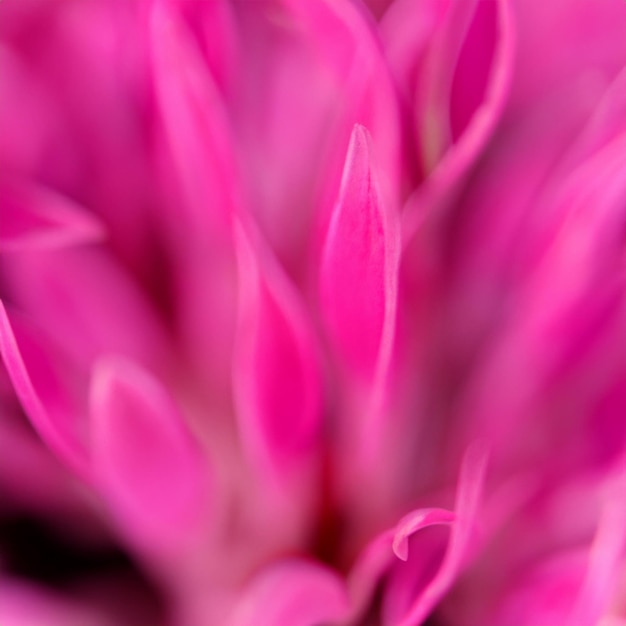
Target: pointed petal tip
x: 144, y: 459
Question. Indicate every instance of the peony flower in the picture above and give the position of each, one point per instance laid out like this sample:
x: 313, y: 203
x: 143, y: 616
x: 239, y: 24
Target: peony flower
x: 312, y: 312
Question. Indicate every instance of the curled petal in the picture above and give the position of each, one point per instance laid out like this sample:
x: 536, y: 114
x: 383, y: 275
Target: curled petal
x: 415, y: 521
x: 34, y: 217
x: 402, y: 603
x: 44, y: 397
x: 276, y: 375
x: 143, y: 457
x: 293, y: 593
x: 459, y: 548
x: 358, y: 279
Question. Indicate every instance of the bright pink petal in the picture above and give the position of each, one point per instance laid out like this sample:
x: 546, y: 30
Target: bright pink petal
x: 276, y: 376
x: 358, y: 277
x: 45, y: 398
x: 143, y: 457
x: 292, y: 593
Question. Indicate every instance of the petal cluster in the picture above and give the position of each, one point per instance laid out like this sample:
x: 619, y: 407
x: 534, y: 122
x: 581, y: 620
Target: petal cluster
x: 312, y: 312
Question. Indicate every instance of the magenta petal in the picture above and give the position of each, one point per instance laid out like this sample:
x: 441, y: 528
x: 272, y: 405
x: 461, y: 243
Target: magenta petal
x: 144, y: 459
x: 358, y: 279
x: 276, y: 375
x: 34, y: 217
x: 292, y: 593
x: 41, y: 393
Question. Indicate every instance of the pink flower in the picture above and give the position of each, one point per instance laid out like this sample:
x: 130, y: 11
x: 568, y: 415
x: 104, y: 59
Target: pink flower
x: 312, y: 312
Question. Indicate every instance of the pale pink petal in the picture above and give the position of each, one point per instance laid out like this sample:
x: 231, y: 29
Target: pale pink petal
x: 144, y: 459
x: 358, y: 277
x: 292, y: 593
x: 276, y: 371
x: 86, y: 300
x: 36, y: 217
x: 45, y: 398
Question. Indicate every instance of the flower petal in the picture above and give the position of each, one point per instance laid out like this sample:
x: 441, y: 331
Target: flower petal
x: 462, y: 90
x: 194, y: 123
x: 459, y: 546
x: 36, y: 217
x: 401, y: 604
x: 45, y: 399
x: 86, y: 300
x: 358, y: 277
x: 276, y: 376
x: 292, y: 593
x: 144, y: 459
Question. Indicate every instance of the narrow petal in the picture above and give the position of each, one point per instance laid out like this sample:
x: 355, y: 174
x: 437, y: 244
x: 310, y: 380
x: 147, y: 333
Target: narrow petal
x: 461, y: 95
x: 198, y: 166
x: 34, y: 217
x: 313, y: 70
x: 292, y: 593
x: 144, y: 459
x: 276, y: 371
x: 358, y: 278
x: 194, y: 123
x: 45, y: 399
